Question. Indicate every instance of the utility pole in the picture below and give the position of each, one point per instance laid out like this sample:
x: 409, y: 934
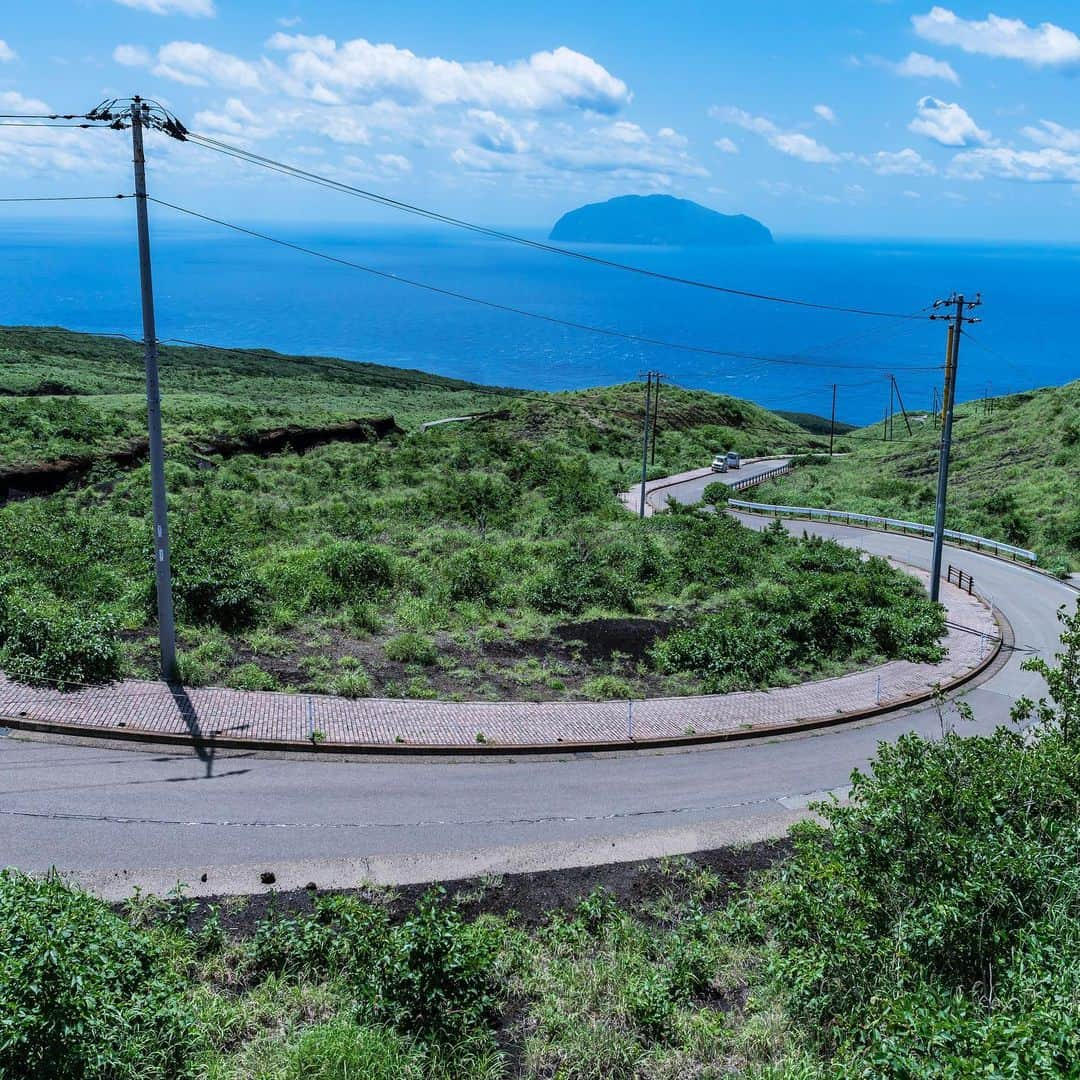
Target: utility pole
x: 645, y: 443
x: 891, y: 385
x: 956, y: 322
x: 655, y: 415
x: 832, y: 422
x: 900, y: 400
x: 162, y: 568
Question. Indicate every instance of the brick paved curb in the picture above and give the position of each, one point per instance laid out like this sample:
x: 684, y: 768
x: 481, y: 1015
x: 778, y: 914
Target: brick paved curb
x: 585, y: 726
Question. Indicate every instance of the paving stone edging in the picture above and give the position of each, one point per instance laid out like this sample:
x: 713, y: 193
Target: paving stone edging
x: 218, y: 719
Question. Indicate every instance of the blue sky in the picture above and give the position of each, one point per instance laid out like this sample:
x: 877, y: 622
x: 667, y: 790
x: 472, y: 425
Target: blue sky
x: 842, y: 118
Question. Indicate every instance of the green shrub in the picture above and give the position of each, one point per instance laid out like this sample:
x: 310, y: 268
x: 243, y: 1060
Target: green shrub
x: 43, y: 639
x: 607, y: 688
x: 213, y: 579
x: 251, y: 677
x: 934, y: 920
x: 580, y: 575
x: 351, y: 683
x: 472, y: 574
x: 411, y: 649
x: 82, y: 993
x: 340, y: 1050
x: 436, y: 976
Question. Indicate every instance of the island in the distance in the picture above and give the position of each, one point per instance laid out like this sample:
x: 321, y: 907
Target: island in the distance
x: 658, y: 219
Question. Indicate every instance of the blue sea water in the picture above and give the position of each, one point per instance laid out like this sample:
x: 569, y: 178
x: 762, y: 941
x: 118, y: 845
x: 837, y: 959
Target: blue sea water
x: 221, y: 288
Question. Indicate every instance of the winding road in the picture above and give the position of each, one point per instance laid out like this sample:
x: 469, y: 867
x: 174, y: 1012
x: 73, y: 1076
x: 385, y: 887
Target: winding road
x: 115, y: 817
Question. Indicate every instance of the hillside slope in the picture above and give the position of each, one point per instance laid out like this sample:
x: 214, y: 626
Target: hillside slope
x: 1015, y: 474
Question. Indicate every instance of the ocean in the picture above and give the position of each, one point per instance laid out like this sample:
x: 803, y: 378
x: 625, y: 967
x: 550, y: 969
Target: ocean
x: 216, y: 287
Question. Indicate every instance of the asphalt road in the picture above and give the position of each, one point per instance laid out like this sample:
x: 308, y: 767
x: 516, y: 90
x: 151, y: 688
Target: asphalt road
x: 119, y: 817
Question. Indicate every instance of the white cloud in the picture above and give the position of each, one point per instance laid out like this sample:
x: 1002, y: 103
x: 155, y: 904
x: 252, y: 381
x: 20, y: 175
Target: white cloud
x: 1043, y: 45
x: 917, y: 65
x: 825, y: 113
x: 495, y: 133
x: 560, y: 153
x: 946, y: 123
x: 624, y: 131
x: 6, y: 51
x: 234, y: 119
x: 794, y: 144
x: 759, y: 125
x: 901, y: 163
x: 1048, y: 165
x: 194, y: 64
x: 289, y: 21
x: 196, y: 8
x: 672, y: 137
x: 28, y: 151
x: 909, y: 194
x: 800, y: 146
x: 132, y: 56
x: 394, y: 163
x: 1055, y: 135
x: 559, y: 80
x: 726, y: 146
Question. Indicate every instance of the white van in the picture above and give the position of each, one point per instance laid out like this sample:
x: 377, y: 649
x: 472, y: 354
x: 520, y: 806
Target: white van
x: 733, y: 460
x: 719, y: 463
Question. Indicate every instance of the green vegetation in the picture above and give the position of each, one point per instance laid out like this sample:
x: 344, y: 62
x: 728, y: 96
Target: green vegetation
x: 490, y: 559
x: 928, y: 928
x: 1014, y: 477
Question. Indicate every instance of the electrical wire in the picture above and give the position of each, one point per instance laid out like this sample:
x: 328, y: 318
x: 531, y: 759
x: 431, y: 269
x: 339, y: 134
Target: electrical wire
x: 507, y: 308
x: 498, y: 234
x: 60, y: 198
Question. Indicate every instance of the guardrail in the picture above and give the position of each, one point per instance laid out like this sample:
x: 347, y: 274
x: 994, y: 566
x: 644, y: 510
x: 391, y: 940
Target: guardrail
x: 753, y: 481
x: 980, y: 543
x: 961, y: 579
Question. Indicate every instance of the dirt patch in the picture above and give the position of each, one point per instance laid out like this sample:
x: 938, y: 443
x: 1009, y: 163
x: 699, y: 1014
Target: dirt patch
x: 601, y: 638
x: 533, y: 896
x: 26, y: 481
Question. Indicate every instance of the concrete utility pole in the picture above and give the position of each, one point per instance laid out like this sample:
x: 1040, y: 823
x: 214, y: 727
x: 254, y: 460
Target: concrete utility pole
x: 832, y: 422
x: 645, y: 443
x: 162, y: 568
x: 655, y: 416
x: 956, y: 322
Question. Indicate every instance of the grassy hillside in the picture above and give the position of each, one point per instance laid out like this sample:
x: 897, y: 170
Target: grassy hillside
x: 489, y: 559
x: 816, y: 425
x: 71, y: 395
x: 1015, y: 474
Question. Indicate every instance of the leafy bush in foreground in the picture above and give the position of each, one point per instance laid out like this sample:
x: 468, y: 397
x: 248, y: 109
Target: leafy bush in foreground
x: 933, y: 928
x: 43, y: 639
x: 83, y: 993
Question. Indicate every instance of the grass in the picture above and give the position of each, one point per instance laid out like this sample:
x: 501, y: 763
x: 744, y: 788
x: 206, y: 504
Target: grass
x: 1014, y: 476
x: 459, y: 562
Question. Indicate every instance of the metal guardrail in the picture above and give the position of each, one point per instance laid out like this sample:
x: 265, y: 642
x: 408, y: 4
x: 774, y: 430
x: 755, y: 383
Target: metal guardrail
x: 980, y: 543
x: 753, y: 481
x: 961, y: 579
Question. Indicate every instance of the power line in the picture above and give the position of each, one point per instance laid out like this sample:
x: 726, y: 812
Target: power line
x: 496, y: 306
x: 497, y: 234
x: 59, y: 198
x: 23, y: 124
